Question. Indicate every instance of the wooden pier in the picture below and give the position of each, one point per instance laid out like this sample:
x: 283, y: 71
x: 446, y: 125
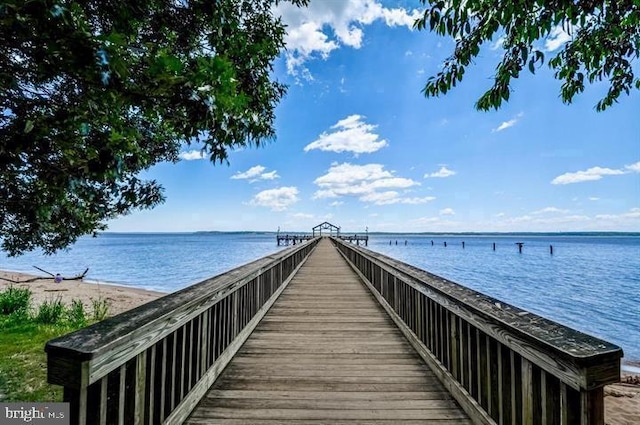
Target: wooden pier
x: 329, y: 332
x: 330, y: 230
x: 292, y: 239
x: 327, y: 352
x: 355, y: 239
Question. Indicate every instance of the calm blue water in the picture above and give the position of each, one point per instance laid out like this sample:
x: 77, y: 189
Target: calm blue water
x: 590, y: 283
x: 163, y: 261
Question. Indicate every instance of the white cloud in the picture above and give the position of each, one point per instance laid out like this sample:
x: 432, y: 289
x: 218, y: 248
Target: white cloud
x: 277, y: 199
x: 255, y: 173
x: 251, y: 173
x: 441, y: 173
x: 447, y: 211
x: 548, y: 221
x: 415, y: 201
x: 192, y: 155
x: 369, y: 183
x: 315, y: 31
x: 302, y: 215
x: 336, y: 203
x: 351, y: 134
x: 271, y: 175
x: 392, y: 197
x: 556, y: 38
x: 381, y: 198
x: 634, y: 168
x: 593, y: 173
x: 594, y: 198
x: 549, y: 210
x: 507, y: 124
x: 632, y: 214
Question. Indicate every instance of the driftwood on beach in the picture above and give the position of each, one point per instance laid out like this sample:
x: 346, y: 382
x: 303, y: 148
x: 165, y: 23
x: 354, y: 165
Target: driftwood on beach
x: 51, y: 277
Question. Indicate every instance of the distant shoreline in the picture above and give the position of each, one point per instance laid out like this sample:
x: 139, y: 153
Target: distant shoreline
x: 371, y: 233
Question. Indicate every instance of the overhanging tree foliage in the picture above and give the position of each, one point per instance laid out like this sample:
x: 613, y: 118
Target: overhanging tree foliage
x: 94, y: 92
x: 605, y: 40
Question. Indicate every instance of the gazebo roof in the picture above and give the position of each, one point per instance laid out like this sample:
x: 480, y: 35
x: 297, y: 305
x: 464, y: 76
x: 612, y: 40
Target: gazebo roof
x: 326, y: 225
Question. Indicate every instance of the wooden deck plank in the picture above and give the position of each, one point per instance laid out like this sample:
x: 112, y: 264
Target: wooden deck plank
x: 335, y: 395
x: 328, y: 414
x: 208, y: 421
x: 326, y: 404
x: 327, y: 353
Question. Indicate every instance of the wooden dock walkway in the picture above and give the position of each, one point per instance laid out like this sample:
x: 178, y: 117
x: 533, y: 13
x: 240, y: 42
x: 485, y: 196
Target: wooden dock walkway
x: 327, y: 352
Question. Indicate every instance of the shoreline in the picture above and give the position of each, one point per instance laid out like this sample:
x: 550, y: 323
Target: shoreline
x: 622, y: 400
x: 121, y: 298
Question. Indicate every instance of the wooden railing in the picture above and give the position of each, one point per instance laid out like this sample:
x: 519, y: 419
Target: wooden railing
x: 503, y: 365
x: 152, y: 364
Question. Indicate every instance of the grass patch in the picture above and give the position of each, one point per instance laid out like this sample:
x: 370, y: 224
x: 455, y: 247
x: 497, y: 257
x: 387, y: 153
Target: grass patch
x: 23, y: 362
x: 100, y: 309
x: 24, y: 331
x: 14, y: 300
x: 50, y: 312
x: 77, y: 315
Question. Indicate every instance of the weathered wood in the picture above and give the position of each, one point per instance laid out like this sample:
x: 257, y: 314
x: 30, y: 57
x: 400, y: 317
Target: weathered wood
x: 121, y: 394
x: 470, y: 406
x: 256, y: 421
x: 580, y: 360
x: 328, y: 360
x: 330, y: 415
x: 594, y: 408
x: 293, y: 402
x: 120, y: 338
x: 174, y: 332
x: 527, y: 392
x: 346, y: 396
x: 103, y: 401
x: 502, y: 360
x: 140, y: 385
x: 323, y: 337
x: 182, y: 411
x: 152, y: 383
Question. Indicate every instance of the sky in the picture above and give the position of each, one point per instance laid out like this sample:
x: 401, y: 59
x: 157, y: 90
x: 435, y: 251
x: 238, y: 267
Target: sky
x: 359, y: 145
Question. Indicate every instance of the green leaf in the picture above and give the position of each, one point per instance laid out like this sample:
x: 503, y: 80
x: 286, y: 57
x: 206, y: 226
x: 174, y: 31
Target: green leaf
x: 28, y: 126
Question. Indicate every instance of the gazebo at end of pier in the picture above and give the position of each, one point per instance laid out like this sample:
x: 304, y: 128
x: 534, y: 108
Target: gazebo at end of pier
x: 331, y: 230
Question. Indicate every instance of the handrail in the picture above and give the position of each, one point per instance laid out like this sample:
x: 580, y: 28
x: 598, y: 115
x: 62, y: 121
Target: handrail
x: 502, y: 364
x: 152, y: 364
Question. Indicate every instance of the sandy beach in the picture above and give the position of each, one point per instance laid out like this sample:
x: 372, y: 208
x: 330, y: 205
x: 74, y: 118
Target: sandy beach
x: 121, y: 298
x: 622, y: 400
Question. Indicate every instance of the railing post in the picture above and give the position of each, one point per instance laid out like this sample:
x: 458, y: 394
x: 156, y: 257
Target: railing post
x: 140, y: 386
x: 527, y: 392
x: 592, y: 404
